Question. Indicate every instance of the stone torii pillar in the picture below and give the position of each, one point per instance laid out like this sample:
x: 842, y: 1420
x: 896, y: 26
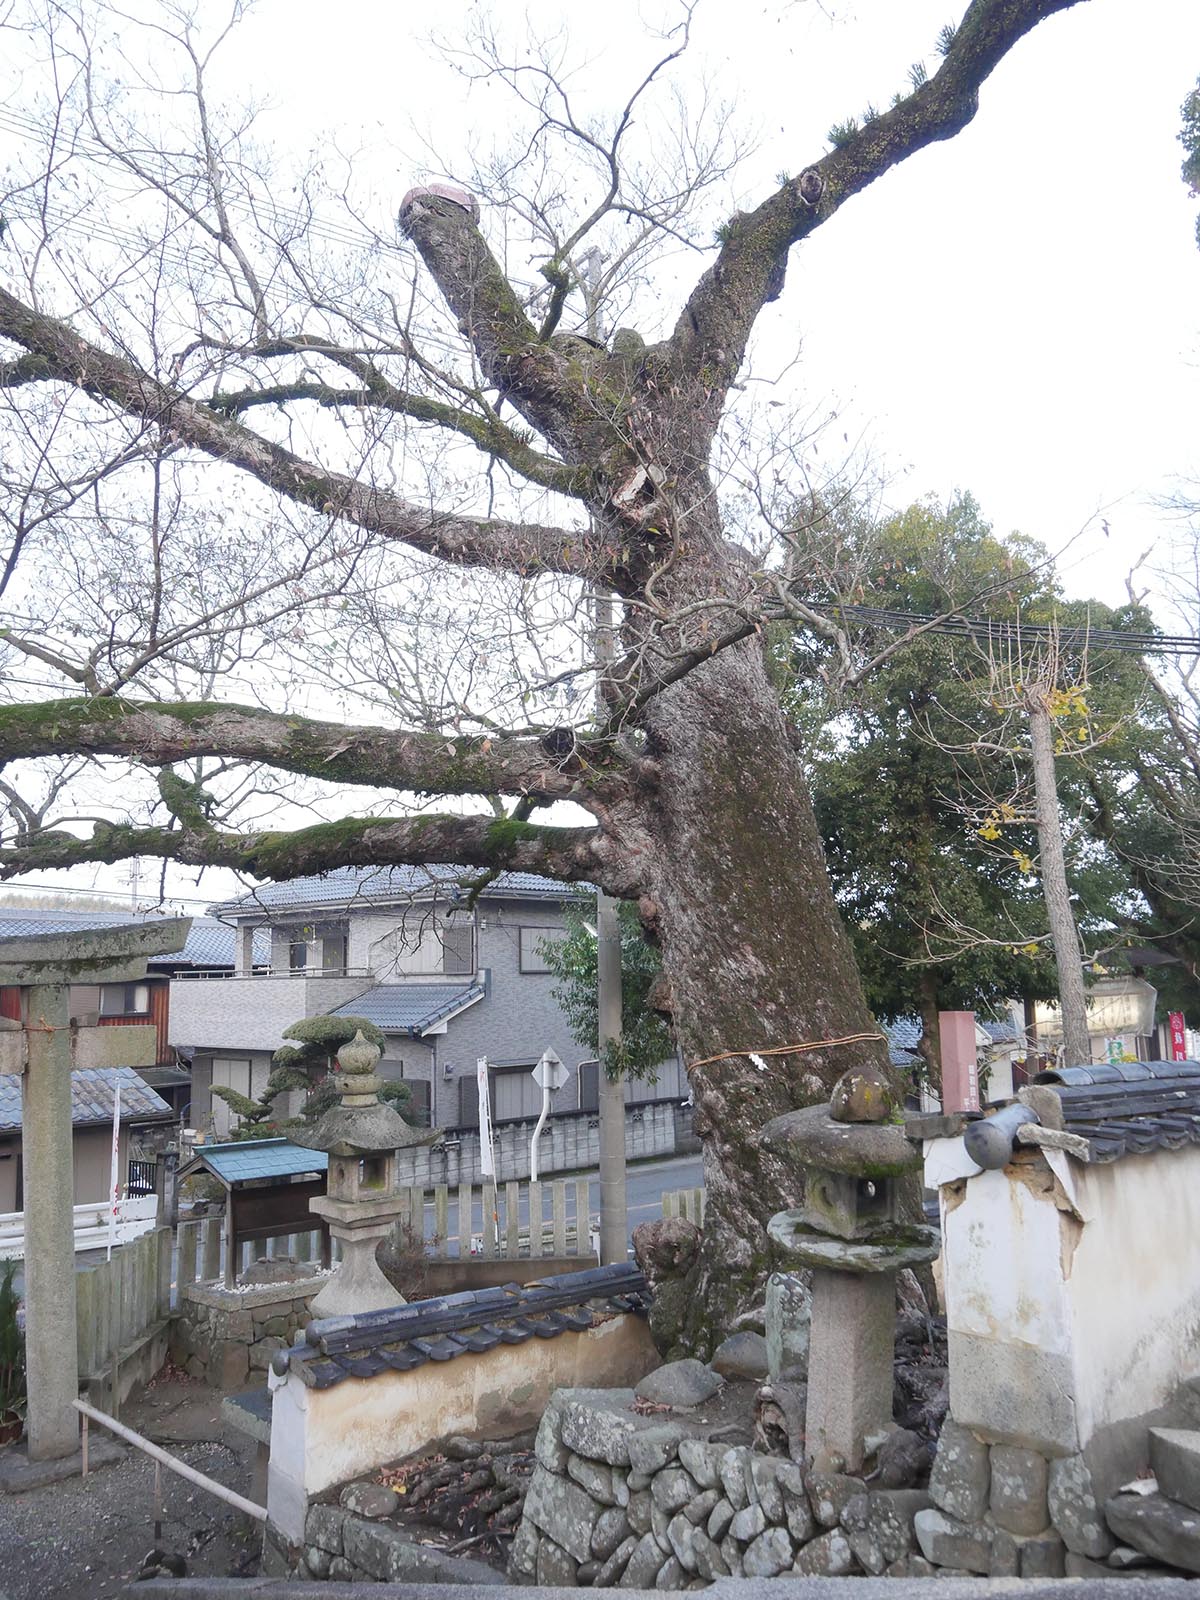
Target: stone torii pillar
x: 44, y: 967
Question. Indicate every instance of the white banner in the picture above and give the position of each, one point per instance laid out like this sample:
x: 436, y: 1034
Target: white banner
x: 487, y: 1155
x: 114, y: 1182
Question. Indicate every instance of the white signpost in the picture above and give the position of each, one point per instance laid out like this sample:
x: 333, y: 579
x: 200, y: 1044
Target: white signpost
x: 487, y: 1154
x: 549, y: 1074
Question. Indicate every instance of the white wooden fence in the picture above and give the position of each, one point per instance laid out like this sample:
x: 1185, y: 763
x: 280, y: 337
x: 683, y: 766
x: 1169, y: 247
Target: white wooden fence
x: 686, y: 1203
x: 134, y: 1218
x: 492, y: 1222
x: 516, y: 1220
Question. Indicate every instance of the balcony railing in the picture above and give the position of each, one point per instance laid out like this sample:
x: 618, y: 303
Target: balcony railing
x: 212, y: 973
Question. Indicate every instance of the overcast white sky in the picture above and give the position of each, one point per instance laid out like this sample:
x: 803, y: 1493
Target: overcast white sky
x: 1014, y: 312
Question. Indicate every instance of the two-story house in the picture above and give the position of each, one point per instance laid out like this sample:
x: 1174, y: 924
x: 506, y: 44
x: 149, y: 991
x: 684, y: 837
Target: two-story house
x: 446, y: 981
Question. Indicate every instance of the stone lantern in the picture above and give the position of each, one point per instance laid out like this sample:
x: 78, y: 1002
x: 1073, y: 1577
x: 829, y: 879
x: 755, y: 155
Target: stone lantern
x: 360, y: 1201
x: 850, y: 1234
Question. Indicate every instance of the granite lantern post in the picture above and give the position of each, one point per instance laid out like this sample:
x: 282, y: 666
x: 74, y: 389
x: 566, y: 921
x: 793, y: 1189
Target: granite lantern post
x: 43, y: 967
x: 849, y: 1233
x: 360, y: 1202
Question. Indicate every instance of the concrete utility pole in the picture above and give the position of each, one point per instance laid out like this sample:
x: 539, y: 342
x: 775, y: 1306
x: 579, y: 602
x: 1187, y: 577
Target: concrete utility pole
x: 614, y: 1218
x: 43, y: 967
x: 51, y: 1353
x: 610, y: 1092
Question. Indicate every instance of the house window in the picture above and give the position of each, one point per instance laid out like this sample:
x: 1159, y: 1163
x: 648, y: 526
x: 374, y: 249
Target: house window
x: 334, y: 950
x: 124, y: 1000
x: 298, y: 955
x: 458, y: 948
x: 532, y: 957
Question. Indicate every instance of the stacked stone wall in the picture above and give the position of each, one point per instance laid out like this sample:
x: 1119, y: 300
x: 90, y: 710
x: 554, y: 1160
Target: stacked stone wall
x: 623, y: 1497
x: 228, y: 1336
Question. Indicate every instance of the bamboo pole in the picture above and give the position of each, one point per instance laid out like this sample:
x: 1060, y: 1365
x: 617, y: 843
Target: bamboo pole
x: 172, y: 1463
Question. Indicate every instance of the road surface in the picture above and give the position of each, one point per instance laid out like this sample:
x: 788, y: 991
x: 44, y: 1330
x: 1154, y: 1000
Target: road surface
x: 646, y: 1184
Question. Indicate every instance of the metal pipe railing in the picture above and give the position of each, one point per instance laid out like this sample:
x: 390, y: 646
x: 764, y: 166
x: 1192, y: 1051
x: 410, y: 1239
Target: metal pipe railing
x: 181, y: 1468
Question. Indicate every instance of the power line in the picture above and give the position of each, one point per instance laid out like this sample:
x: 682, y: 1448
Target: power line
x: 1001, y: 631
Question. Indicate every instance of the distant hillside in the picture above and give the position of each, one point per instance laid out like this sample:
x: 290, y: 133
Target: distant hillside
x: 51, y: 900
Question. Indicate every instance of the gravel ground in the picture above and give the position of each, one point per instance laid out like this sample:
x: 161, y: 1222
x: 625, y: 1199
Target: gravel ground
x: 86, y: 1538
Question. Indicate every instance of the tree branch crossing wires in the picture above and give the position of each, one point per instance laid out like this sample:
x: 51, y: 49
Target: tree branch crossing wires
x: 995, y: 630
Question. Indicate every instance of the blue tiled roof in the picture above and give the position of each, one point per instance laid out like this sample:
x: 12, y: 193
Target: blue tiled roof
x: 903, y: 1037
x: 260, y: 1158
x: 93, y: 1090
x: 347, y: 886
x: 1000, y: 1032
x: 411, y: 1007
x: 209, y: 944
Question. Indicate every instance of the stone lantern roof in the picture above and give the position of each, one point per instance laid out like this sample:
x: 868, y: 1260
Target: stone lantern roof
x: 359, y: 1124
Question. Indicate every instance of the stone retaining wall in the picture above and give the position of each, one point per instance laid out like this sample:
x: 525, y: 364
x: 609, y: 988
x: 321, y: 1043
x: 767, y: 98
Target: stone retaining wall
x: 358, y: 1549
x: 224, y: 1335
x: 624, y: 1497
x: 1004, y: 1510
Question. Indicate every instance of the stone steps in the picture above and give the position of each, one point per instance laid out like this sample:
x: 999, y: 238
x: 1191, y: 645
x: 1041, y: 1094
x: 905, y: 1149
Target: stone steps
x: 1165, y: 1524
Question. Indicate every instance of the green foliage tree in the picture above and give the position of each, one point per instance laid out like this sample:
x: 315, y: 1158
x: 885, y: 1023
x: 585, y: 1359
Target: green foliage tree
x: 927, y: 828
x: 1189, y: 138
x: 646, y: 1037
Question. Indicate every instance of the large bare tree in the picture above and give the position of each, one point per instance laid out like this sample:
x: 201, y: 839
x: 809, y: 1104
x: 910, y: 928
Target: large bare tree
x: 213, y: 405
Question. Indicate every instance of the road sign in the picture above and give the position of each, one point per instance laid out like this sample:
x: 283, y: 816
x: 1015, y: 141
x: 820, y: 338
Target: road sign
x: 550, y: 1072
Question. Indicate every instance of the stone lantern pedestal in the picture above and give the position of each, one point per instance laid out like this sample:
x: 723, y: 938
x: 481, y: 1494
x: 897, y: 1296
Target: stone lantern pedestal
x: 848, y: 1233
x: 360, y: 1202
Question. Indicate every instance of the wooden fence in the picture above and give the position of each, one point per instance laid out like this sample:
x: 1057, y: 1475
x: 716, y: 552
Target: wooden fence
x: 516, y: 1220
x: 120, y: 1305
x: 686, y: 1203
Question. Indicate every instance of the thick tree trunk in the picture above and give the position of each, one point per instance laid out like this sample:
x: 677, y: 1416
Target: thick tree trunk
x: 930, y: 1046
x: 754, y: 949
x: 1077, y: 1047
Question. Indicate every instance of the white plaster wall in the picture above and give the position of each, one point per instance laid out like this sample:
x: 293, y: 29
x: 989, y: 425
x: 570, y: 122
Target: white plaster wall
x: 322, y: 1437
x: 1003, y: 1263
x: 1072, y: 1293
x: 1135, y: 1284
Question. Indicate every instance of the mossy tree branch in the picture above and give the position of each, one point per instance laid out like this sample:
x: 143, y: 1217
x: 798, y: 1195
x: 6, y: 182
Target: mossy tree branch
x: 711, y: 335
x: 384, y: 758
x: 486, y: 431
x: 570, y: 854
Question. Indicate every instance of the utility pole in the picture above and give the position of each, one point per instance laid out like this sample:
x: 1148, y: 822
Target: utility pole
x: 1077, y: 1046
x: 610, y: 1091
x: 614, y: 1220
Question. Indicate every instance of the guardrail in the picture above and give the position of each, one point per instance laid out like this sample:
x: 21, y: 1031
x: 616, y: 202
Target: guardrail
x: 162, y: 1458
x: 136, y: 1215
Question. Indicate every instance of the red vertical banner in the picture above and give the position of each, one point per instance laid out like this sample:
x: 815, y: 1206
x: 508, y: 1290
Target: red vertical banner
x: 1178, y: 1036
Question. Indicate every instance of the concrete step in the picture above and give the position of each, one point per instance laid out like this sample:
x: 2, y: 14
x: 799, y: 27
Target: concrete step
x: 1175, y: 1460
